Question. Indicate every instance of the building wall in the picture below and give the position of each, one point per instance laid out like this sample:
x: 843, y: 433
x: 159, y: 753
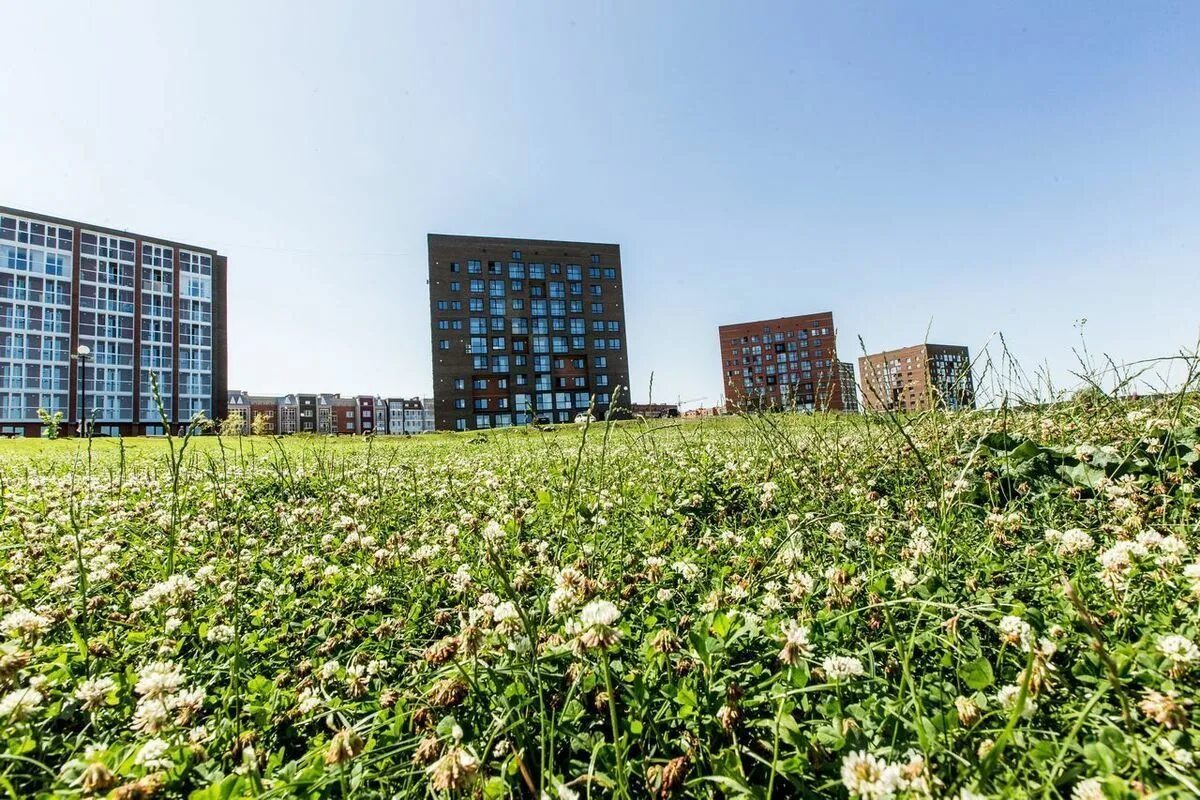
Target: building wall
x: 306, y: 406
x: 547, y: 331
x: 144, y: 305
x: 345, y: 415
x: 366, y: 413
x: 752, y: 353
x: 849, y: 387
x: 918, y: 378
x: 270, y: 411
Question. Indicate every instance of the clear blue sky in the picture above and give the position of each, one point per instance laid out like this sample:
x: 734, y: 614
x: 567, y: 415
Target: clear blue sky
x: 962, y: 168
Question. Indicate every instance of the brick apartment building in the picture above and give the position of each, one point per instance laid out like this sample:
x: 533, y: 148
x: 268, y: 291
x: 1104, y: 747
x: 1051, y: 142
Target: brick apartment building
x: 918, y: 378
x: 366, y: 414
x: 524, y: 330
x: 142, y: 304
x: 785, y: 363
x: 327, y: 413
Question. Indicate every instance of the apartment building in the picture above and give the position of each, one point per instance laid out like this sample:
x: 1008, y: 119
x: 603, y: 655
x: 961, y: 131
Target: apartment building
x: 239, y: 407
x: 265, y: 408
x: 141, y: 305
x: 787, y: 363
x: 918, y: 378
x: 525, y: 330
x: 849, y: 387
x: 344, y: 413
x: 366, y: 413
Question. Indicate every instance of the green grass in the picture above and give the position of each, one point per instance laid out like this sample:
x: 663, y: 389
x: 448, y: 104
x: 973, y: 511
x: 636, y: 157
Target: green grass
x: 767, y: 606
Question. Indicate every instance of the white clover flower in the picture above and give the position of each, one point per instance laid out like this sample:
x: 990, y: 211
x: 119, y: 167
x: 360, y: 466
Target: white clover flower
x: 1088, y: 789
x: 93, y: 692
x: 1016, y: 631
x: 220, y: 634
x: 1074, y: 541
x: 1007, y: 697
x: 838, y: 668
x: 505, y: 616
x: 795, y: 643
x: 493, y: 533
x: 375, y: 594
x: 152, y: 715
x: 599, y: 612
x: 24, y: 623
x: 329, y: 669
x: 158, y: 680
x: 904, y: 577
x: 1172, y: 549
x: 153, y: 755
x: 595, y: 627
x: 869, y: 777
x: 461, y: 578
x: 686, y: 570
x: 308, y: 701
x: 20, y: 704
x: 1179, y: 650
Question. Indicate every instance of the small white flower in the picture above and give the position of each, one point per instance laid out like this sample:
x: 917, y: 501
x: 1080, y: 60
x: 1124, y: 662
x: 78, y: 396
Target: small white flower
x: 24, y: 623
x: 93, y: 692
x: 1007, y: 697
x: 1016, y: 631
x: 153, y: 755
x: 20, y: 704
x: 1073, y: 542
x: 158, y: 680
x: 220, y: 634
x: 1179, y: 650
x: 839, y: 668
x: 869, y: 777
x: 1089, y: 789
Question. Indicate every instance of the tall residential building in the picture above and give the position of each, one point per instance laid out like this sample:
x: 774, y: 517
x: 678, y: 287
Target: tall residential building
x: 917, y: 378
x: 143, y: 305
x: 525, y: 330
x: 849, y: 387
x: 787, y: 363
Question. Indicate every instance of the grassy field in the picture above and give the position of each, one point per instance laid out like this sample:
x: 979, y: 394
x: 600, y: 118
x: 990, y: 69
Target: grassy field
x: 993, y: 604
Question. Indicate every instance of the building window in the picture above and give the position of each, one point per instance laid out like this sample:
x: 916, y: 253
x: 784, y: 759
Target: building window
x: 460, y: 384
x: 455, y: 286
x: 516, y: 255
x: 454, y: 266
x: 610, y: 273
x: 474, y: 267
x: 443, y: 344
x: 595, y: 258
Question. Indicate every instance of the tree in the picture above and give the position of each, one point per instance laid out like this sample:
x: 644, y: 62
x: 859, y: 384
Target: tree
x: 259, y: 425
x: 233, y: 425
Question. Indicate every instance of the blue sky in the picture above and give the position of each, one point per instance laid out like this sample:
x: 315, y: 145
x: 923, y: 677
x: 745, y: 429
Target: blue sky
x: 956, y: 168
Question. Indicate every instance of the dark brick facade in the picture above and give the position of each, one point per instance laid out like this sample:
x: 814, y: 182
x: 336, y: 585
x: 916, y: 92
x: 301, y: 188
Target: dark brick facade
x: 525, y: 329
